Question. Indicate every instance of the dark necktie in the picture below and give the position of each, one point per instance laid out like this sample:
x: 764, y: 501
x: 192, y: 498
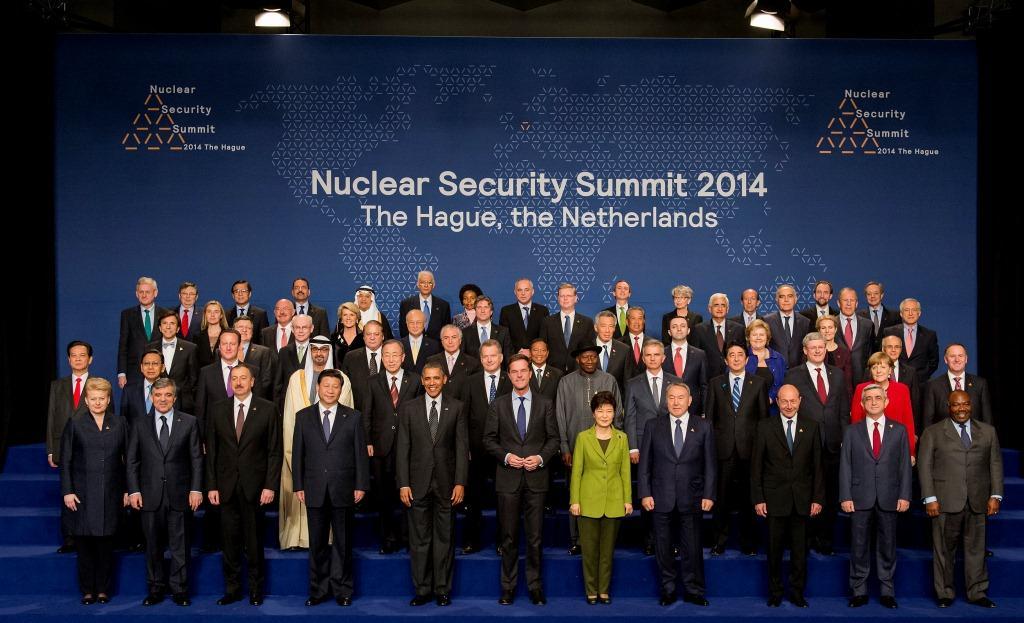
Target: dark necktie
x: 165, y: 433
x: 227, y: 384
x: 566, y: 331
x: 654, y: 390
x: 432, y: 420
x: 521, y: 417
x: 677, y: 438
x: 964, y: 438
x: 327, y: 424
x: 789, y: 434
x: 373, y: 363
x: 394, y: 393
x: 957, y: 386
x: 604, y: 358
x: 148, y: 324
x: 493, y: 391
x: 239, y: 421
x: 526, y: 317
x: 719, y: 337
x: 876, y: 443
x: 736, y: 394
x: 789, y: 332
x: 302, y: 310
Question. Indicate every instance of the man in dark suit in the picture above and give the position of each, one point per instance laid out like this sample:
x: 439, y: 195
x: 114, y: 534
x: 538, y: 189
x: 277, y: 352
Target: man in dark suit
x: 137, y: 397
x: 544, y: 379
x: 215, y: 379
x: 457, y: 365
x: 566, y: 331
x: 180, y: 360
x: 362, y: 363
x: 243, y: 472
x: 686, y: 361
x: 523, y: 318
x: 432, y: 462
x: 874, y: 485
x: 418, y: 346
x: 614, y: 356
x: 165, y: 480
x: 634, y: 339
x: 293, y: 356
x: 330, y: 475
x: 189, y: 318
x: 855, y: 332
x: 479, y: 392
x: 822, y: 298
x: 787, y: 486
x: 715, y: 335
x: 961, y: 471
x: 436, y: 311
x: 300, y: 294
x: 788, y: 328
x: 621, y: 291
x: 881, y: 317
x: 676, y: 476
x: 902, y: 372
x: 260, y: 356
x: 521, y: 436
x: 823, y: 399
x: 241, y: 292
x: 937, y: 390
x: 138, y: 326
x: 920, y: 344
x: 750, y: 301
x: 279, y: 335
x: 67, y: 399
x: 484, y: 329
x: 736, y: 402
x: 386, y: 393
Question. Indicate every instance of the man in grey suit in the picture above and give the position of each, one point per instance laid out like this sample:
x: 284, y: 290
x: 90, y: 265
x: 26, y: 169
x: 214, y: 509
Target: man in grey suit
x: 961, y: 472
x: 874, y: 485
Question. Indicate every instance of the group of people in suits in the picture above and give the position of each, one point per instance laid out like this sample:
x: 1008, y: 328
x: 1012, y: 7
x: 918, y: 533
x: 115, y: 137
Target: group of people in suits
x: 791, y: 417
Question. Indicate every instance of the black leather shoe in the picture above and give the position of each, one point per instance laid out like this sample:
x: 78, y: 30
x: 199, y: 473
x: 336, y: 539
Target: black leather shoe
x: 667, y: 599
x: 605, y: 600
x: 103, y: 598
x: 500, y: 551
x: 944, y: 602
x: 229, y: 598
x: 824, y: 549
x: 574, y: 550
x: 774, y: 601
x: 798, y: 601
x: 181, y: 599
x: 387, y: 548
x: 888, y: 601
x: 717, y: 550
x: 648, y: 550
x: 255, y: 599
x: 857, y: 601
x: 444, y: 599
x: 984, y: 602
x: 153, y: 599
x: 344, y: 601
x: 591, y: 601
x: 88, y: 600
x: 749, y: 551
x: 66, y: 549
x: 988, y: 553
x: 697, y: 600
x: 316, y: 601
x: 136, y: 547
x: 506, y: 598
x: 537, y: 597
x: 675, y: 551
x: 421, y: 600
x: 470, y: 548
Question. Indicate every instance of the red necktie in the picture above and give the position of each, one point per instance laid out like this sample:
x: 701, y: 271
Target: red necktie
x: 848, y: 333
x: 957, y: 380
x: 636, y: 349
x: 822, y: 394
x: 184, y: 322
x: 78, y: 391
x: 876, y: 443
x: 677, y: 361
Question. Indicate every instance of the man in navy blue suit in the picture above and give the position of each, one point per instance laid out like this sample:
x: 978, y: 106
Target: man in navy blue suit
x: 676, y: 476
x: 436, y: 311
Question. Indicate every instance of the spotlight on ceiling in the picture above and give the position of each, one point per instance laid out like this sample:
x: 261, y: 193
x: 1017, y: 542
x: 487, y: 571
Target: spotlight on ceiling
x: 273, y: 17
x: 768, y: 14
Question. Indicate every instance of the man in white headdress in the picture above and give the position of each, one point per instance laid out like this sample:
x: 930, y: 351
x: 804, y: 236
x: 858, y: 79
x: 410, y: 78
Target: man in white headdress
x: 366, y: 301
x: 293, y: 530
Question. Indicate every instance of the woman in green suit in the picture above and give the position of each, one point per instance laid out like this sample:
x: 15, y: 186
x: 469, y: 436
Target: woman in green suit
x: 599, y: 494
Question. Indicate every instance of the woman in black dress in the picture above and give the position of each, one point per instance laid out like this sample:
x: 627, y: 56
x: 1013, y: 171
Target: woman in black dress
x: 347, y: 335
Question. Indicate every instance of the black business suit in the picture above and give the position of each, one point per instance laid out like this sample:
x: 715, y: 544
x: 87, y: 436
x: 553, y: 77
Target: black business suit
x: 936, y: 398
x: 329, y: 470
x: 464, y: 366
x: 260, y: 320
x: 165, y: 478
x: 288, y: 362
x: 695, y: 374
x: 560, y: 354
x: 271, y: 337
x: 471, y: 339
x: 789, y: 347
x: 678, y: 483
x: 212, y: 388
x: 440, y: 315
x: 195, y: 321
x: 319, y: 315
x: 862, y: 348
x: 906, y: 374
x: 925, y: 357
x: 618, y: 361
x: 184, y: 371
x: 547, y: 384
x: 887, y: 318
x: 132, y: 340
x: 265, y: 359
x: 704, y: 337
x: 205, y: 354
x: 634, y: 365
x: 787, y: 483
x: 474, y: 395
x: 521, y: 335
x: 356, y: 367
x: 519, y: 489
x: 738, y: 319
x: 614, y: 309
x: 811, y: 313
x: 380, y: 429
x: 735, y: 430
x: 428, y: 346
x: 240, y: 469
x: 431, y: 468
x: 133, y: 401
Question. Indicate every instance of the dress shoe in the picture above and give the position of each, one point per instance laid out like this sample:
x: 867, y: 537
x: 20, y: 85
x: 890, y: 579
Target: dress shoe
x: 255, y: 599
x: 591, y: 601
x: 667, y: 599
x: 824, y: 549
x: 888, y: 601
x: 421, y: 600
x: 316, y: 601
x: 103, y: 598
x: 387, y: 548
x: 798, y: 601
x: 444, y: 599
x: 470, y: 548
x: 606, y: 600
x: 181, y: 599
x: 153, y: 599
x: 717, y: 550
x: 697, y: 600
x: 537, y: 597
x: 984, y: 602
x: 574, y: 550
x: 88, y: 600
x: 749, y: 551
x: 675, y: 551
x: 229, y: 598
x: 774, y: 601
x: 66, y: 549
x: 500, y: 551
x: 648, y: 550
x: 506, y: 598
x: 944, y: 602
x: 136, y: 547
x: 344, y: 601
x: 988, y: 553
x: 857, y: 601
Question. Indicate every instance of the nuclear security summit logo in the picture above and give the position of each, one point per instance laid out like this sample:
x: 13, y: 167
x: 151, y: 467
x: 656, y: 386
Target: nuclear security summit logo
x: 871, y: 123
x: 174, y: 118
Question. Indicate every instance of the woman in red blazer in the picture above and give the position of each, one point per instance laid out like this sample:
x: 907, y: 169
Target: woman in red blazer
x: 898, y: 409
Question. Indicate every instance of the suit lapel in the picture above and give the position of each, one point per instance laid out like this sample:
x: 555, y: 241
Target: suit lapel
x: 248, y: 424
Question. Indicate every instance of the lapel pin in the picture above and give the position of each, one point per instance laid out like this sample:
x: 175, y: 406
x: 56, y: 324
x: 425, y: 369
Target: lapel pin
x: 800, y: 430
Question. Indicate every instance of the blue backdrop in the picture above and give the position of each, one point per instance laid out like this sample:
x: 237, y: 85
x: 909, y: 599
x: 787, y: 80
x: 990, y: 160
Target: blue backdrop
x: 196, y: 158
